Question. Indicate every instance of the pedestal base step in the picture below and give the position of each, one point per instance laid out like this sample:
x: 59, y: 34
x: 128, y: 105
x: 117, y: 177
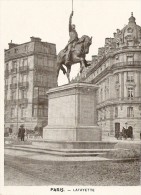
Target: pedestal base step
x: 59, y: 152
x: 68, y: 145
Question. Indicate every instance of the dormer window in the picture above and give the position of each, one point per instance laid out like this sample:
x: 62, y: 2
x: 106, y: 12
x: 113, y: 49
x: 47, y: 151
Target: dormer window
x: 129, y: 30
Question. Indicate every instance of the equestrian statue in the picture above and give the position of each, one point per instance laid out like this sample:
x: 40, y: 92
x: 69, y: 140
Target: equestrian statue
x: 74, y: 52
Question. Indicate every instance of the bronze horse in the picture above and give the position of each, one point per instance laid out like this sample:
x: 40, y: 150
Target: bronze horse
x: 77, y: 56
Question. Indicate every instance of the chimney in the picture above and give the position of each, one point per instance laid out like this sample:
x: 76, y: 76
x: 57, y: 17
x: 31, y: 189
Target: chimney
x: 11, y: 45
x: 114, y: 34
x: 35, y: 39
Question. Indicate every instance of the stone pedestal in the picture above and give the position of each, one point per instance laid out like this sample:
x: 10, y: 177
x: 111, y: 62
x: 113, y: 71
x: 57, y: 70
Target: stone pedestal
x: 72, y: 114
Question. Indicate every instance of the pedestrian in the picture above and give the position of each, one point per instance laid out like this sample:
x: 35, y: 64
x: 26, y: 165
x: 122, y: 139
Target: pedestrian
x: 22, y: 132
x: 10, y: 130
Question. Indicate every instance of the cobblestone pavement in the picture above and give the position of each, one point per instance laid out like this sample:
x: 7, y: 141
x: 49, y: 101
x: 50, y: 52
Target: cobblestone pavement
x: 21, y: 171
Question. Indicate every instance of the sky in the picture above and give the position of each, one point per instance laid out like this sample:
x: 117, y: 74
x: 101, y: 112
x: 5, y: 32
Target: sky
x: 48, y: 19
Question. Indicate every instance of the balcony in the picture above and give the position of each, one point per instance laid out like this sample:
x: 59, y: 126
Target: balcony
x: 23, y: 101
x: 13, y: 70
x: 23, y: 69
x: 133, y: 99
x: 117, y: 101
x: 138, y: 63
x: 130, y: 81
x: 6, y: 73
x: 23, y: 85
x: 13, y: 86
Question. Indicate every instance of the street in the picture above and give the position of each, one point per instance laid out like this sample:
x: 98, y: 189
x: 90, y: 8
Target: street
x: 21, y: 171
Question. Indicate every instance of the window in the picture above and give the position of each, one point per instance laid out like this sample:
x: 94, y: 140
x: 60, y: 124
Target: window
x: 130, y: 92
x: 104, y: 65
x: 6, y: 81
x: 40, y: 61
x: 7, y: 66
x: 25, y: 63
x: 35, y: 109
x: 130, y: 30
x: 26, y: 47
x: 50, y: 63
x: 104, y: 113
x: 41, y: 78
x: 129, y: 58
x: 130, y: 76
x: 116, y: 112
x: 12, y: 112
x: 101, y: 94
x: 23, y: 94
x: 35, y: 92
x: 13, y: 95
x: 23, y: 78
x: 13, y: 80
x: 16, y: 50
x: 6, y: 92
x: 22, y: 112
x: 105, y: 91
x: 41, y: 91
x: 117, y: 93
x: 14, y: 64
x: 45, y: 111
x: 117, y: 57
x: 130, y: 112
x: 117, y: 78
x: 40, y: 111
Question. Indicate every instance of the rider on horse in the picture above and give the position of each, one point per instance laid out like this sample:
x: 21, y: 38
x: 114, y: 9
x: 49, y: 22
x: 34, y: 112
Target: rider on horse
x: 74, y: 52
x: 73, y: 39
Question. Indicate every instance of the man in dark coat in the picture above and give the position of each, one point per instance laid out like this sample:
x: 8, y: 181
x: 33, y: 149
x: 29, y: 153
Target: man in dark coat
x: 22, y: 132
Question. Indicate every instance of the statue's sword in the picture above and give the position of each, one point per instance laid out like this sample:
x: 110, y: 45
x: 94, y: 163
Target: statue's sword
x: 72, y: 5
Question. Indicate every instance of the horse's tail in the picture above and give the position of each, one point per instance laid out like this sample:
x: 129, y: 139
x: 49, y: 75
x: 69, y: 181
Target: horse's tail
x: 60, y: 59
x: 60, y: 56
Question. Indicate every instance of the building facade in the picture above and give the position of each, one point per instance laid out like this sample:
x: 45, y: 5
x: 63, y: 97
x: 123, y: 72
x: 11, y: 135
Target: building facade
x: 30, y: 70
x: 117, y: 71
